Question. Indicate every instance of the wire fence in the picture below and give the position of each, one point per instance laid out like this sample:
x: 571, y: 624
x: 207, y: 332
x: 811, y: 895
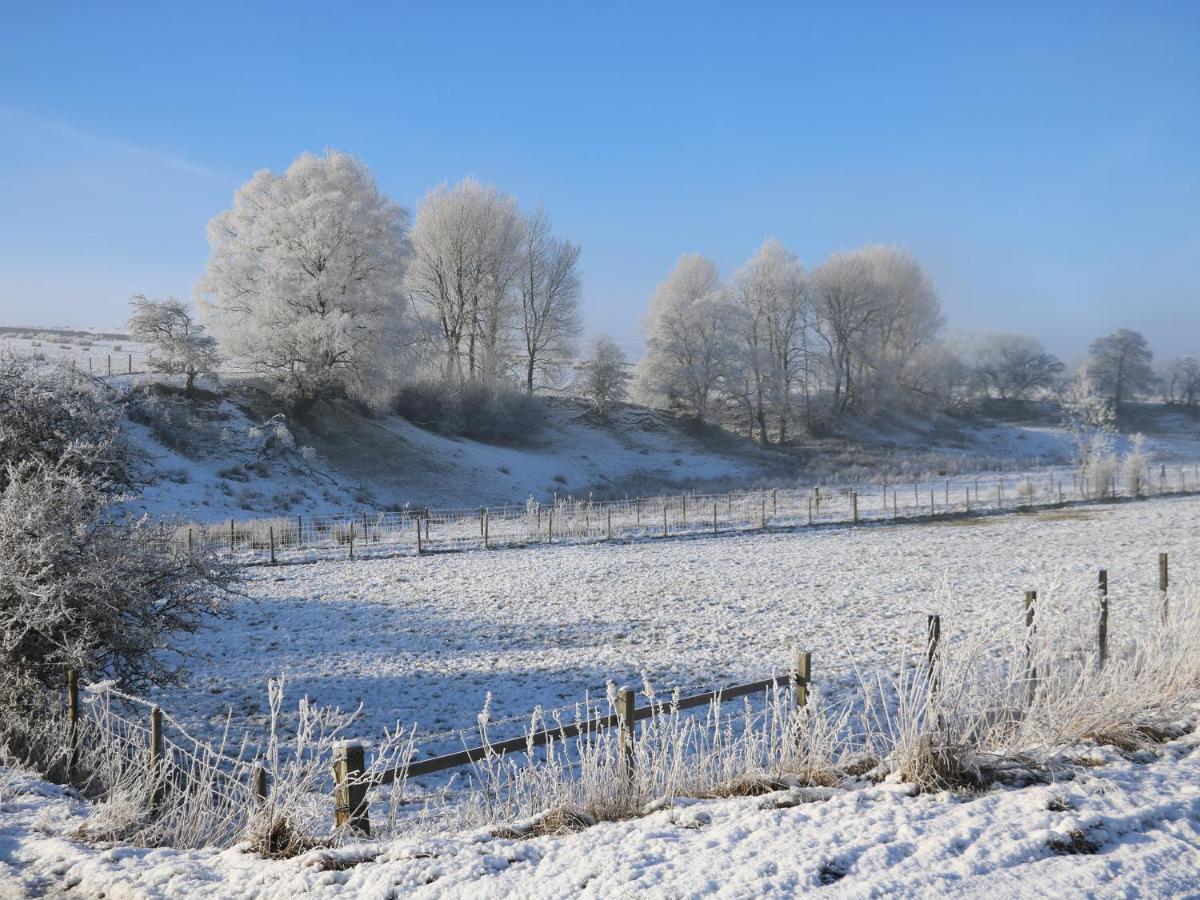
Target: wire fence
x: 414, y: 531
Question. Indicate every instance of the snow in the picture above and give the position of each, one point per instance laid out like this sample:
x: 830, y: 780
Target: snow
x: 1136, y: 824
x: 423, y: 639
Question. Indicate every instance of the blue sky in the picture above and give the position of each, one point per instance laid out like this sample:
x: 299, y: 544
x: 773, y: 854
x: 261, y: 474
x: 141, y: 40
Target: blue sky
x: 1042, y: 161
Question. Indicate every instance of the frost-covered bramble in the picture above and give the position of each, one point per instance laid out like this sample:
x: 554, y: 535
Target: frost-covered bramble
x: 305, y: 280
x: 79, y: 591
x: 50, y: 413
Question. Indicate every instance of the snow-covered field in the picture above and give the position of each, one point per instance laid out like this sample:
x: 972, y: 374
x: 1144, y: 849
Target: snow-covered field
x: 423, y: 640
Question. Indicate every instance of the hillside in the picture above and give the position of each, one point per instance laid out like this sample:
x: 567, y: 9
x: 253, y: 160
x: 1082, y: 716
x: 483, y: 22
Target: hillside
x: 211, y: 457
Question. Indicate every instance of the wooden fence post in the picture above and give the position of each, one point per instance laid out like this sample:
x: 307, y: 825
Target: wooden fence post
x: 609, y: 523
x: 664, y: 534
x: 714, y: 518
x: 626, y: 720
x: 258, y: 783
x: 802, y: 678
x: 130, y: 363
x: 1162, y: 583
x: 638, y: 502
x: 810, y: 510
x: 189, y: 542
x: 774, y: 502
x: 549, y: 527
x: 683, y: 499
x: 486, y: 529
x: 419, y: 548
x: 933, y: 642
x: 1030, y: 630
x: 352, y: 539
x: 1103, y: 627
x: 231, y: 535
x: 110, y: 364
x: 271, y: 538
x: 73, y: 720
x: 854, y: 507
x: 299, y: 531
x: 156, y: 753
x: 350, y: 788
x: 762, y: 516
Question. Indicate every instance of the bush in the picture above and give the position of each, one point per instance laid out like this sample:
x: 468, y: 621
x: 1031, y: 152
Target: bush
x: 485, y: 411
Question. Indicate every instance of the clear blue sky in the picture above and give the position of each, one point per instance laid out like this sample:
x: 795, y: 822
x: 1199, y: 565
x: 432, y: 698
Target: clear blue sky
x: 1042, y: 161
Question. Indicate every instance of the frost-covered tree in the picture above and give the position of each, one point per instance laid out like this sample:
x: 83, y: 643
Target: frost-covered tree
x: 689, y: 339
x: 875, y: 310
x: 549, y: 287
x: 178, y: 345
x: 1013, y: 366
x: 774, y: 307
x: 1180, y: 379
x: 466, y: 262
x: 305, y: 281
x: 1119, y: 365
x: 605, y: 376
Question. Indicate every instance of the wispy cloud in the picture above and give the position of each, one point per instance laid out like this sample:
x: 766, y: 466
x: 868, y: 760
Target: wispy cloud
x: 66, y: 132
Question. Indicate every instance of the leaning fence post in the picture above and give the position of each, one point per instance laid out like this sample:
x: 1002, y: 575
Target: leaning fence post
x: 73, y: 720
x: 626, y: 719
x: 350, y: 787
x: 933, y: 642
x: 1162, y: 583
x: 156, y: 752
x: 1103, y: 629
x: 802, y: 678
x: 258, y: 783
x: 1030, y: 630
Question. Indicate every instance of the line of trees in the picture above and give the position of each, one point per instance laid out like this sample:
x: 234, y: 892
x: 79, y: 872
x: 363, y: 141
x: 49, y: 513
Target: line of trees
x: 321, y: 283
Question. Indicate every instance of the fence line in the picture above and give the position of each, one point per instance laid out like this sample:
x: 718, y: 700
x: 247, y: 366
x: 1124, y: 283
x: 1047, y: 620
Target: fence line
x: 171, y: 766
x: 416, y: 531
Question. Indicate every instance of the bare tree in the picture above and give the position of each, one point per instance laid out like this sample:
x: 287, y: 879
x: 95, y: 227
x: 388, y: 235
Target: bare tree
x: 605, y: 381
x: 689, y: 343
x: 466, y: 241
x: 1180, y: 380
x: 179, y: 346
x: 1119, y: 365
x: 549, y: 287
x: 1014, y: 365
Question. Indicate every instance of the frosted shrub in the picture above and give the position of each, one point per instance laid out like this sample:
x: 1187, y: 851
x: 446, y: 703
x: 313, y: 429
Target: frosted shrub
x: 1136, y: 466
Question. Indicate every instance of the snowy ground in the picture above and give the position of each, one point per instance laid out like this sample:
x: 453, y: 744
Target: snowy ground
x: 1118, y: 827
x: 423, y: 639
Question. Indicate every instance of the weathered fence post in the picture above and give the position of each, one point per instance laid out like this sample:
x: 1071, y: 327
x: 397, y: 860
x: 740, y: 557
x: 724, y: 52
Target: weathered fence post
x: 774, y: 502
x: 350, y: 788
x: 802, y: 678
x: 638, y: 502
x: 609, y: 523
x: 189, y: 542
x: 626, y: 720
x: 419, y: 548
x: 486, y: 529
x: 271, y: 539
x: 1162, y: 583
x: 130, y: 363
x: 854, y: 507
x: 683, y: 499
x: 352, y: 539
x: 258, y: 783
x: 110, y: 364
x: 549, y: 527
x: 231, y: 535
x: 156, y: 753
x: 714, y: 518
x: 299, y: 531
x: 73, y: 721
x: 664, y: 534
x: 1030, y: 630
x: 810, y: 510
x: 933, y: 642
x: 1103, y: 627
x: 762, y: 516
